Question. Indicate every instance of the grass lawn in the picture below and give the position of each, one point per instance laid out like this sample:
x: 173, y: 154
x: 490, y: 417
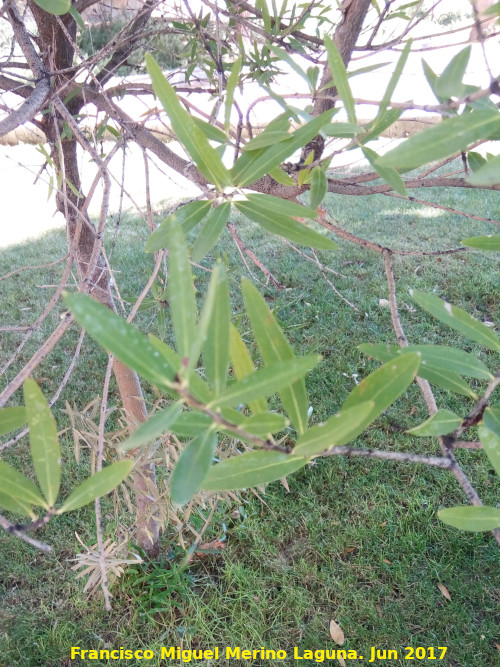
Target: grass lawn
x: 353, y: 540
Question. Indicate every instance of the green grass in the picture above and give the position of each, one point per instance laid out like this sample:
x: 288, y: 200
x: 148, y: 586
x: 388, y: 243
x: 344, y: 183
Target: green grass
x: 356, y: 541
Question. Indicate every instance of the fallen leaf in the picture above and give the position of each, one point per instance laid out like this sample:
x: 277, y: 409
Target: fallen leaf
x: 342, y: 661
x: 413, y: 410
x: 283, y: 480
x: 498, y: 646
x: 383, y: 524
x: 379, y: 610
x: 444, y: 591
x: 336, y: 633
x: 389, y: 562
x: 384, y: 303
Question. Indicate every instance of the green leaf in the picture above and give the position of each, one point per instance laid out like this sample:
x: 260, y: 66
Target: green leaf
x: 384, y: 386
x: 341, y: 81
x: 342, y: 130
x: 197, y: 386
x: 17, y: 486
x: 474, y: 519
x: 16, y: 505
x: 243, y: 365
x: 389, y: 174
x: 449, y: 84
x: 491, y: 445
x: 267, y: 381
x: 443, y: 140
x: 188, y: 216
x: 283, y: 55
x: 281, y: 176
x: 98, y: 485
x: 192, y: 467
x: 56, y: 7
x: 44, y: 443
x: 441, y: 423
x: 447, y: 380
x: 338, y: 430
x: 319, y: 187
x: 491, y: 419
x: 393, y: 82
x: 191, y: 137
x: 278, y: 205
x: 490, y: 242
x: 216, y: 347
x: 251, y: 469
x: 252, y: 165
x: 11, y: 419
x: 180, y: 291
x: 266, y: 139
x: 283, y: 225
x: 488, y: 174
x: 432, y: 79
x: 376, y: 127
x: 475, y: 160
x: 275, y: 348
x: 232, y: 82
x: 210, y: 131
x: 159, y: 423
x: 457, y: 319
x: 264, y: 423
x: 433, y: 356
x: 190, y: 424
x: 121, y: 339
x: 78, y: 19
x: 211, y: 230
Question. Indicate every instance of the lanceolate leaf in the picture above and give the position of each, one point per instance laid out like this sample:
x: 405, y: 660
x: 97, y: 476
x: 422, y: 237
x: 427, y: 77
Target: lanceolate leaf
x: 252, y: 165
x: 474, y: 519
x: 442, y: 140
x: 44, y: 443
x: 319, y: 187
x: 491, y: 419
x: 193, y: 139
x: 192, y: 467
x: 266, y: 139
x: 216, y: 347
x: 284, y: 225
x: 275, y: 348
x: 192, y: 423
x: 441, y: 423
x: 447, y: 380
x: 12, y: 418
x: 389, y: 174
x: 384, y: 385
x: 337, y: 431
x: 491, y: 445
x: 181, y: 292
x: 449, y: 84
x: 159, y: 423
x: 188, y: 215
x: 393, y: 82
x: 121, y: 339
x: 264, y: 423
x: 457, y: 319
x: 243, y: 365
x: 15, y: 505
x: 57, y: 7
x: 251, y: 469
x: 267, y: 381
x: 490, y: 242
x: 277, y: 205
x: 433, y: 357
x: 232, y: 82
x: 211, y: 230
x: 98, y: 485
x: 341, y: 81
x: 19, y: 487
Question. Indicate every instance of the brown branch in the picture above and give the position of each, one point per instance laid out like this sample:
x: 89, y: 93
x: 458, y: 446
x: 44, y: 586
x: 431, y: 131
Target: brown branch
x: 28, y: 109
x: 243, y: 248
x: 14, y: 530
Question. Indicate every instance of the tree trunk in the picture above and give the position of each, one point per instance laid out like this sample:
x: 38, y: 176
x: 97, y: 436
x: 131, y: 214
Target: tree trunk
x: 57, y: 53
